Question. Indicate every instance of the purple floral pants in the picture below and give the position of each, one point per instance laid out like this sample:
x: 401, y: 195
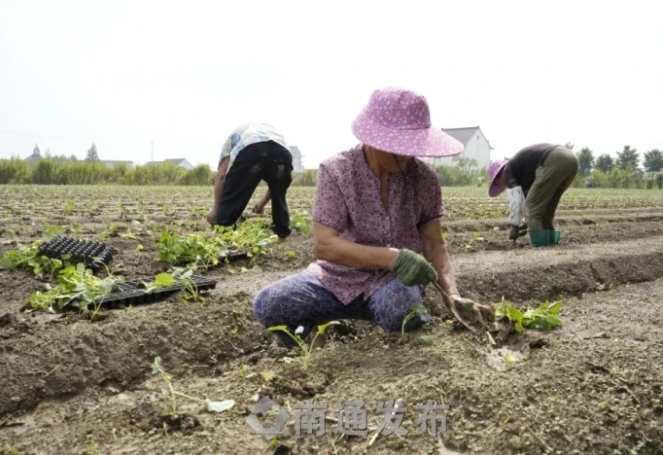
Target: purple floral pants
x: 302, y: 300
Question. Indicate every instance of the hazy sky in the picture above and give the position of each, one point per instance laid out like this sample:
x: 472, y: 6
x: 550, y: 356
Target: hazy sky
x: 184, y: 74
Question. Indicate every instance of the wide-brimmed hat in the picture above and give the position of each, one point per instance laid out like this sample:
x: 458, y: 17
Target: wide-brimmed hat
x: 494, y: 169
x: 398, y: 121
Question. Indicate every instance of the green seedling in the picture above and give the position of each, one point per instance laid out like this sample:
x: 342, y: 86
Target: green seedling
x: 302, y: 346
x: 299, y: 223
x: 178, y: 276
x: 68, y: 208
x: 416, y: 310
x: 77, y: 287
x: 206, y: 250
x: 109, y: 284
x: 214, y: 406
x: 51, y: 230
x: 111, y: 230
x: 543, y: 317
x: 26, y: 257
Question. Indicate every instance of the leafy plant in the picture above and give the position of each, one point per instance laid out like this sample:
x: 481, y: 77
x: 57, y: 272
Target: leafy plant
x: 77, y: 287
x: 189, y: 250
x: 416, y: 309
x: 209, y: 249
x: 543, y: 317
x: 215, y: 406
x: 177, y: 276
x: 302, y: 346
x: 252, y: 236
x: 298, y: 223
x: 27, y: 257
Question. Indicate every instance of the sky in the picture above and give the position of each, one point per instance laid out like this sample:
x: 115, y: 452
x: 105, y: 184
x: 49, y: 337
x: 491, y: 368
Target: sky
x: 183, y: 74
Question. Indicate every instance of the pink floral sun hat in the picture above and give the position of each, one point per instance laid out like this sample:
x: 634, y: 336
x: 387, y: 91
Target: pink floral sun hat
x: 494, y: 169
x: 398, y: 121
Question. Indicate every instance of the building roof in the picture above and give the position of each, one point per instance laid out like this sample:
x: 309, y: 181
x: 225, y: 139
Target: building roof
x: 296, y: 153
x: 464, y: 134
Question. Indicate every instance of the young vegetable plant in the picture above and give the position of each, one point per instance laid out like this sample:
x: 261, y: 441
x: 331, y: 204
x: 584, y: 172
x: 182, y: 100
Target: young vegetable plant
x: 543, y: 317
x: 416, y: 310
x: 26, y: 257
x: 77, y: 287
x: 302, y: 346
x: 207, y: 250
x: 252, y: 237
x: 299, y: 223
x: 177, y: 276
x: 214, y: 406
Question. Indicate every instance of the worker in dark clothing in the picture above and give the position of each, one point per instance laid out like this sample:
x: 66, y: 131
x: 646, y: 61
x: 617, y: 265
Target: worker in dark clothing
x: 253, y: 152
x: 535, y: 177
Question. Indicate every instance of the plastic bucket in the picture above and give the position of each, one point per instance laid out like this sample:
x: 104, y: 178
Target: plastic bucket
x: 540, y: 238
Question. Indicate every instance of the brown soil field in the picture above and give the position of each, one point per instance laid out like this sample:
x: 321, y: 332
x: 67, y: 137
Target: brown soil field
x: 69, y: 385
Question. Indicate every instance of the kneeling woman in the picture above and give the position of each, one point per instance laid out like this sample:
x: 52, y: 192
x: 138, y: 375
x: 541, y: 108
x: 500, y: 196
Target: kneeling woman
x: 377, y: 209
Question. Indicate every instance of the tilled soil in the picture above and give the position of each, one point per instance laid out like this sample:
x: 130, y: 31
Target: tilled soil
x: 68, y: 385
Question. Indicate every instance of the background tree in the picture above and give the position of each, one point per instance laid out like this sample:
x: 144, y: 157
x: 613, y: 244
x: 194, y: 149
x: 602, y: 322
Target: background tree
x: 569, y: 145
x: 604, y: 163
x: 586, y: 161
x: 627, y: 158
x: 92, y: 154
x: 36, y: 152
x: 653, y: 161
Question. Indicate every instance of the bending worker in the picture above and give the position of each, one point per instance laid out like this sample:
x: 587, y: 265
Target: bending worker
x: 253, y: 152
x: 535, y: 177
x: 376, y: 227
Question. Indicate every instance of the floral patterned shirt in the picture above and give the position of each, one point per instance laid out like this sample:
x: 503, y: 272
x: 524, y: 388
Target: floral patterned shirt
x: 348, y: 200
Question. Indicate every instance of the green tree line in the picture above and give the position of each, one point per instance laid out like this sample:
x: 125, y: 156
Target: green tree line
x: 58, y: 172
x: 604, y: 171
x: 622, y: 172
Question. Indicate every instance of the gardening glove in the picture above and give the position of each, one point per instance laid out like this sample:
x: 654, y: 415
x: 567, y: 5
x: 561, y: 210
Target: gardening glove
x: 412, y: 269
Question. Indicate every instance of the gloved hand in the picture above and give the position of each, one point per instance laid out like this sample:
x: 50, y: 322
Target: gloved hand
x: 412, y: 269
x: 481, y: 312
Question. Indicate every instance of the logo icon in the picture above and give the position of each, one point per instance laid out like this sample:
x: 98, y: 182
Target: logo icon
x: 261, y: 408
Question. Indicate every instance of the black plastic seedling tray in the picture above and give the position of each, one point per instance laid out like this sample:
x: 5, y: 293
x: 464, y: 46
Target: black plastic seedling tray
x: 93, y: 254
x: 134, y: 293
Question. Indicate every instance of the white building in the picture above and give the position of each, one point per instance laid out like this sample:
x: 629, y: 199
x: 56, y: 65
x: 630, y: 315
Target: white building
x: 113, y: 163
x: 179, y: 162
x: 476, y: 145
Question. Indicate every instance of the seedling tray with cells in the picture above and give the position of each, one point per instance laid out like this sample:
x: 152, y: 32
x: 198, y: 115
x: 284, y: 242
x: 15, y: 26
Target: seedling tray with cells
x: 92, y: 254
x: 135, y: 293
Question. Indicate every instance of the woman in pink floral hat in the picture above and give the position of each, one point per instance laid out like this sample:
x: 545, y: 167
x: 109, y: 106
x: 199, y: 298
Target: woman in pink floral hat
x: 377, y: 233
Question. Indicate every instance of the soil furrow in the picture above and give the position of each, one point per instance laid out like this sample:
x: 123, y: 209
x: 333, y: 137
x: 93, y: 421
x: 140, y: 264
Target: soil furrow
x: 119, y: 348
